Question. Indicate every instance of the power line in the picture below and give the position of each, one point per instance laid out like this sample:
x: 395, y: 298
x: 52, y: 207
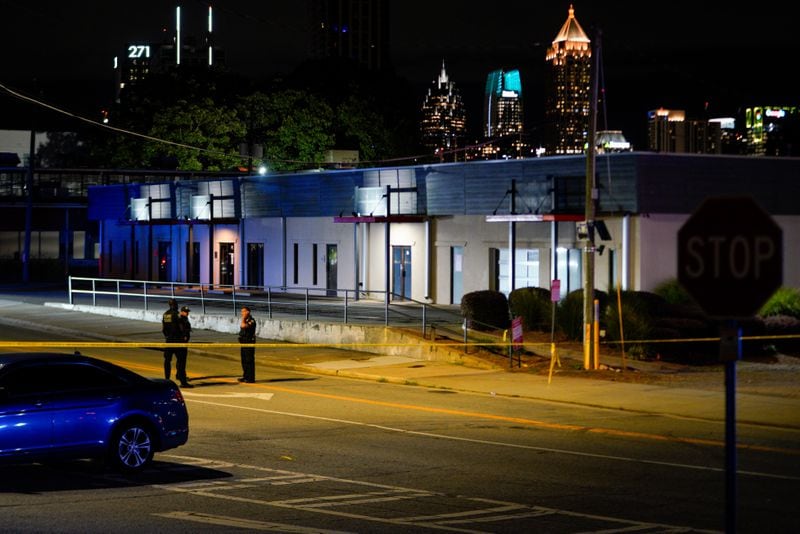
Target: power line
x: 37, y: 102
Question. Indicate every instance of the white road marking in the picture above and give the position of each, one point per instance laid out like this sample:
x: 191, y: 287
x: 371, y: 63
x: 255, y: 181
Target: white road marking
x: 504, y: 444
x: 481, y: 511
x: 262, y: 396
x: 247, y: 524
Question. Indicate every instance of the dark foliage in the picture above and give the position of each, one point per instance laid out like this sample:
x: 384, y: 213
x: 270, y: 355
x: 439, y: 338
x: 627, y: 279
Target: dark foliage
x: 570, y: 312
x: 788, y: 328
x: 485, y: 310
x: 534, y: 306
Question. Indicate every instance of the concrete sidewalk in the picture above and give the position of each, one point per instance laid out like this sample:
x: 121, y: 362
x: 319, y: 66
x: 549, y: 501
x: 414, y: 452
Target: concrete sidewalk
x: 56, y: 319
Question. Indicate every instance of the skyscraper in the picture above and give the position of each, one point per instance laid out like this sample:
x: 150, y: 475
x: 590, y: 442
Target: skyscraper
x: 353, y: 29
x: 502, y: 117
x: 444, y: 122
x: 502, y: 108
x: 177, y: 49
x: 567, y: 90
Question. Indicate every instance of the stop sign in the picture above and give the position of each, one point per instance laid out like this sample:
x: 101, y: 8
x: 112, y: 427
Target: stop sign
x: 730, y: 256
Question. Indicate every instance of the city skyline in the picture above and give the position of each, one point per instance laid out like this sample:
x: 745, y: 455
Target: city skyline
x: 693, y: 57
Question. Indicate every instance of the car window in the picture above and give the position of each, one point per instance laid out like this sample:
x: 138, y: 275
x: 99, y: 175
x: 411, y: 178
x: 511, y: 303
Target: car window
x: 41, y: 378
x: 23, y: 381
x: 79, y: 376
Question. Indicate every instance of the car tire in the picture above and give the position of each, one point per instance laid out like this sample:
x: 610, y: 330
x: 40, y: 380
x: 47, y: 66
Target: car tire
x: 131, y: 448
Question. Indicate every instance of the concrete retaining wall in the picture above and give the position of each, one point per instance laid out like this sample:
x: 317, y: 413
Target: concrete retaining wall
x: 363, y: 338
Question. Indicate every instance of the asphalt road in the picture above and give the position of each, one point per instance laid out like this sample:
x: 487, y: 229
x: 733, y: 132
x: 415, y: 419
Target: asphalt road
x: 299, y: 452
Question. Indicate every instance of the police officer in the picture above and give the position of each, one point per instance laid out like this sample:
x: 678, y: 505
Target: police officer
x: 247, y: 334
x: 182, y: 352
x: 175, y: 330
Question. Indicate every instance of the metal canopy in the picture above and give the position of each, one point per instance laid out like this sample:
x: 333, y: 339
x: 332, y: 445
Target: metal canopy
x: 380, y: 219
x: 532, y: 217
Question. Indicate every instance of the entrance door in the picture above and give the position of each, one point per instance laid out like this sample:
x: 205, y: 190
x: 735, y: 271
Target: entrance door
x: 255, y: 264
x: 164, y: 257
x: 331, y: 272
x: 226, y: 264
x: 401, y: 273
x: 193, y: 262
x: 456, y: 274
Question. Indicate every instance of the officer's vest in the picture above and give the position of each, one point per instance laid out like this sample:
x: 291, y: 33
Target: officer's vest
x: 170, y: 326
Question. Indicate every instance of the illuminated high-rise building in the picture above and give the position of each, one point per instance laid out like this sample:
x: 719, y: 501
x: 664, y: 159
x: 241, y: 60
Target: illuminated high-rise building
x: 444, y: 122
x: 568, y: 90
x: 502, y: 106
x: 772, y: 130
x: 666, y: 130
x: 179, y: 49
x: 353, y: 29
x: 502, y: 117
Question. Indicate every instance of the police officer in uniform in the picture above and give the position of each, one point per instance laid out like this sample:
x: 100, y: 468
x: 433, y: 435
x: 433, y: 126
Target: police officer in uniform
x: 247, y: 334
x: 175, y: 330
x: 181, y: 353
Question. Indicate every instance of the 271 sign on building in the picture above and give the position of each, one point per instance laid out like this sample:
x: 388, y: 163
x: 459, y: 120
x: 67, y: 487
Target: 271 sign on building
x: 730, y: 256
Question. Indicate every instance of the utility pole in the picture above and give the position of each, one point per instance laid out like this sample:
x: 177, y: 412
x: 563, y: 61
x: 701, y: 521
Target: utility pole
x: 26, y: 250
x: 591, y: 198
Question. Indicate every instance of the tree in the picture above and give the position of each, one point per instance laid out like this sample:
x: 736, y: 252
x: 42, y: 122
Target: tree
x: 195, y: 136
x: 295, y: 127
x: 358, y: 124
x: 63, y: 150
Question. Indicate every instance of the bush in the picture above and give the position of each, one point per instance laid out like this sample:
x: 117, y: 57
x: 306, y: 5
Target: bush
x: 534, y: 306
x: 785, y: 301
x: 656, y: 326
x: 485, y: 310
x: 569, y: 316
x: 636, y: 323
x: 784, y: 325
x: 674, y: 293
x: 676, y: 327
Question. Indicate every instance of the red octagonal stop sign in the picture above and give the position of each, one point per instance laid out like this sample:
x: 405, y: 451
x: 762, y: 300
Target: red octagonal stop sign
x: 730, y: 256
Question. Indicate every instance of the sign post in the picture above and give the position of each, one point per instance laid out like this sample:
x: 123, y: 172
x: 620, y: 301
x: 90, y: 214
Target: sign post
x: 555, y: 296
x: 517, y: 339
x: 730, y: 259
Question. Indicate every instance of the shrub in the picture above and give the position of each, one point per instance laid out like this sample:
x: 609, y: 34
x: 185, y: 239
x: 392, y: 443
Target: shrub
x: 636, y: 323
x: 674, y: 293
x: 784, y: 325
x: 533, y: 305
x: 569, y: 316
x: 657, y: 326
x: 785, y: 301
x: 485, y: 310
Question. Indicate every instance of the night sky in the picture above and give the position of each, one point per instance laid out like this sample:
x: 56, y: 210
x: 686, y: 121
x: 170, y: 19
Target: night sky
x: 709, y: 60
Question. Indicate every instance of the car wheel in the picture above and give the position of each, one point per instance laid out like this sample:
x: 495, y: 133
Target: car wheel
x: 131, y: 448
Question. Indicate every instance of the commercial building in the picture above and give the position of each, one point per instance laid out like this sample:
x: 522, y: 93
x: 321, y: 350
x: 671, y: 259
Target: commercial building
x: 431, y: 232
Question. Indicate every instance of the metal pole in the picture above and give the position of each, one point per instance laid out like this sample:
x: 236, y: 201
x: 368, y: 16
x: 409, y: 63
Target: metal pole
x: 730, y: 352
x: 512, y: 240
x: 355, y: 258
x: 387, y: 252
x: 591, y: 196
x: 26, y: 250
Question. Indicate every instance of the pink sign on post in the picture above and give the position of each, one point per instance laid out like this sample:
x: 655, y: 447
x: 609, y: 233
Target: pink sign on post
x: 516, y: 333
x: 555, y: 290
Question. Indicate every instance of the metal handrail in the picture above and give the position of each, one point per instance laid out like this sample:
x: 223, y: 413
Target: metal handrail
x: 354, y: 306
